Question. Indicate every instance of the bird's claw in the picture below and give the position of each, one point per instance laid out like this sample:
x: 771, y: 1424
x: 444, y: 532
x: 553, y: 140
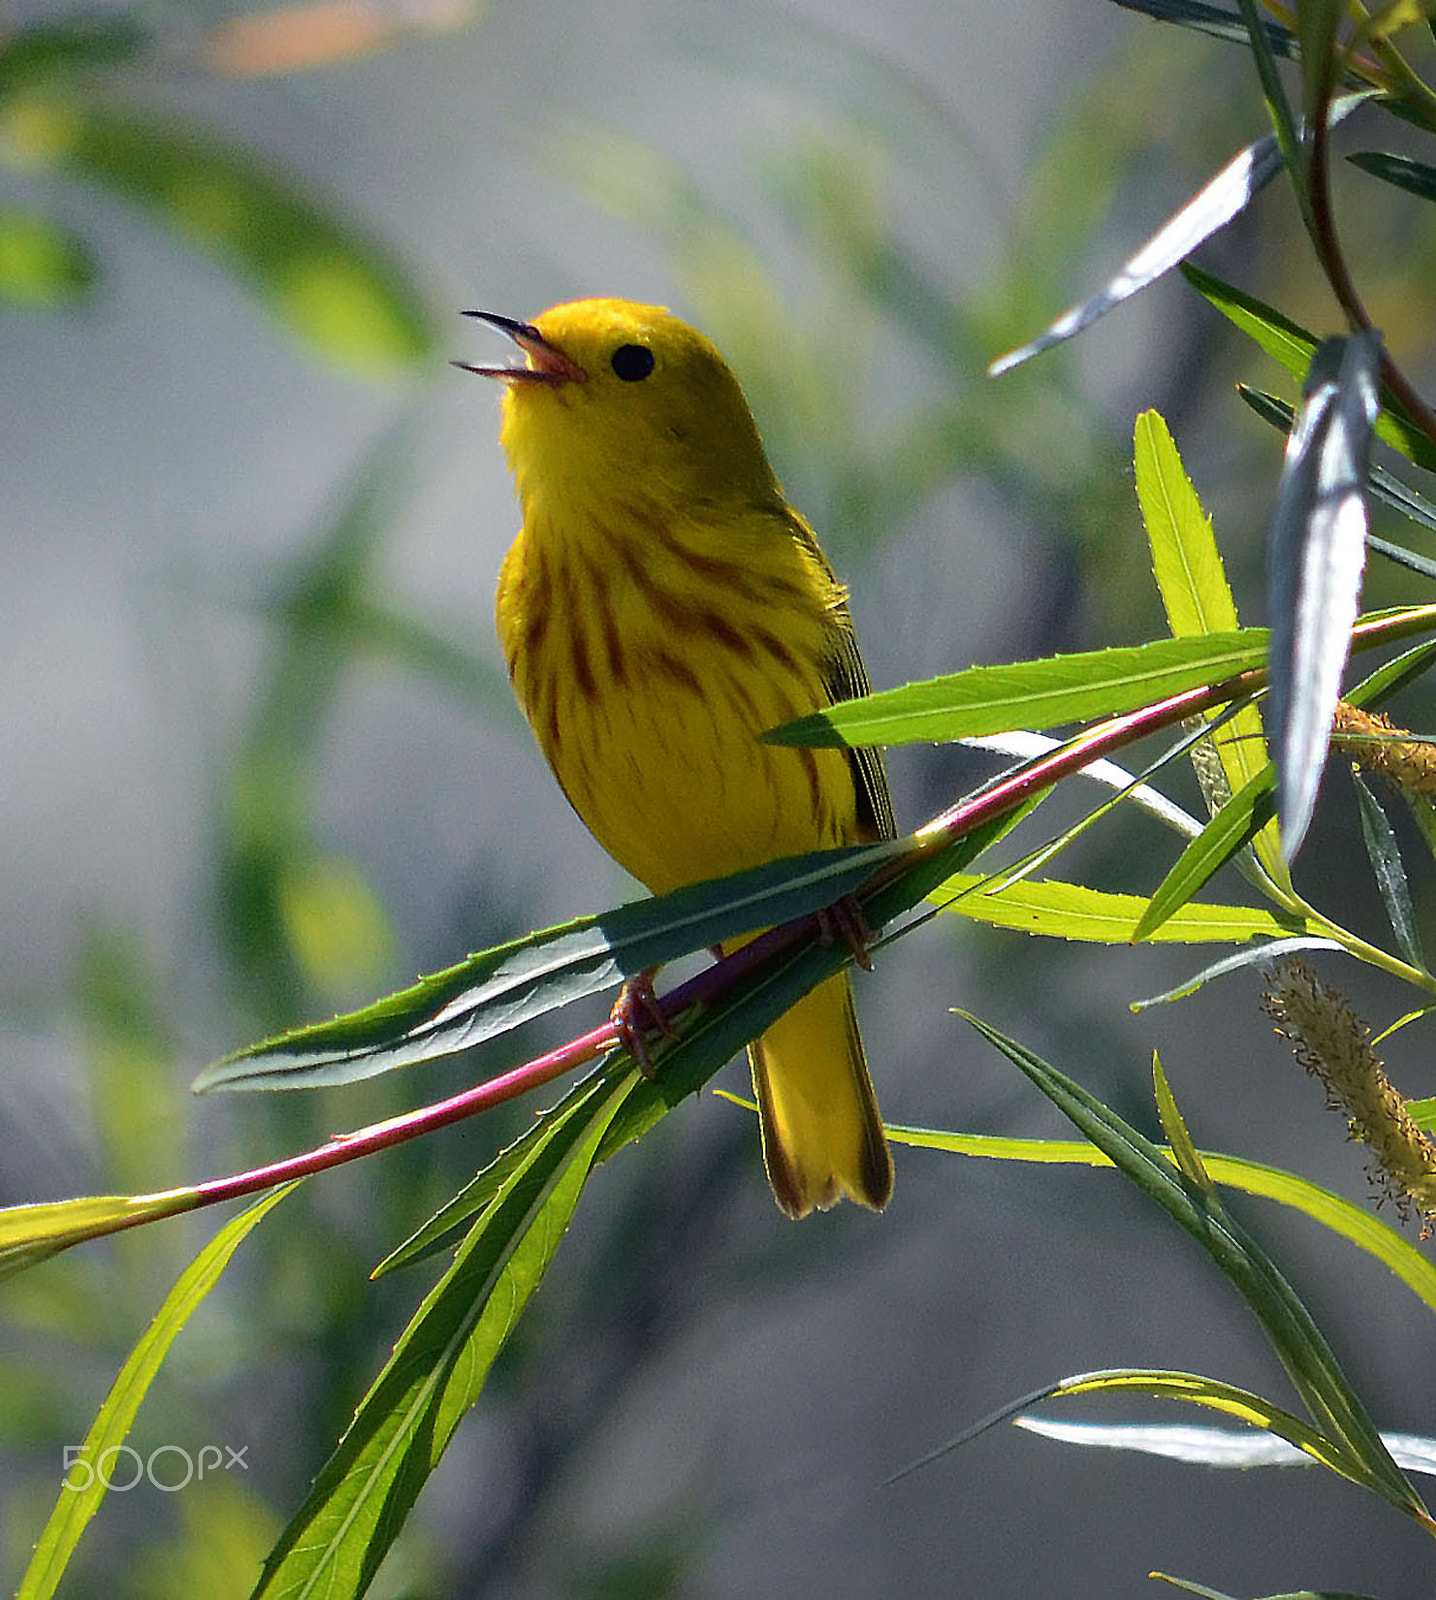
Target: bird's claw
x: 636, y: 1013
x: 845, y: 920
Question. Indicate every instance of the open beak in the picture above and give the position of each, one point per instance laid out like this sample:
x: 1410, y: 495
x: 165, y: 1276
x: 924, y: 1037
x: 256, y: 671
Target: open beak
x: 546, y: 363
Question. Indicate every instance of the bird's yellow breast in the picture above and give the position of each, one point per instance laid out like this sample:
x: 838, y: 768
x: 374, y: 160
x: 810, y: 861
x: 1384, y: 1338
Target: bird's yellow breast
x: 649, y: 653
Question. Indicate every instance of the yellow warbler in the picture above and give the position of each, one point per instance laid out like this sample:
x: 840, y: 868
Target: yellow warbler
x: 660, y: 608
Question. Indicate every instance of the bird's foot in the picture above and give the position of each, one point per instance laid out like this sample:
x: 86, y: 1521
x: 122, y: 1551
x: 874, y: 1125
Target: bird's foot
x: 636, y: 1014
x: 845, y: 920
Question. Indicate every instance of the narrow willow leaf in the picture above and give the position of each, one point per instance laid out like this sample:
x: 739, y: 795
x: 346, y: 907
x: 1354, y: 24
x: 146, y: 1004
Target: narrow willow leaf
x: 32, y: 1233
x: 1198, y: 599
x: 496, y: 990
x: 336, y: 1541
x: 1283, y: 120
x: 1215, y: 1447
x: 1384, y: 855
x: 1185, y: 560
x: 85, y: 1484
x: 1354, y: 1223
x: 41, y: 263
x: 1217, y: 21
x: 1315, y: 554
x: 331, y: 287
x: 1258, y: 956
x: 1383, y: 484
x: 1030, y: 694
x: 1223, y: 198
x: 1061, y: 910
x: 1416, y: 177
x: 1316, y: 24
x: 1025, y: 746
x: 1294, y: 347
x: 1213, y: 1395
x: 1204, y: 1593
x: 1297, y: 1342
x: 1179, y: 1141
x: 1233, y: 826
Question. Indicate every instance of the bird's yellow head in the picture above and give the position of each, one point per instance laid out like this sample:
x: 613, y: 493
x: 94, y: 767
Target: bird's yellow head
x: 621, y: 403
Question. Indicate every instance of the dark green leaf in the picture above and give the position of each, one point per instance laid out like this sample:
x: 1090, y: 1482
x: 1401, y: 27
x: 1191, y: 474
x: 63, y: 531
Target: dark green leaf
x: 1413, y: 176
x: 1234, y: 826
x: 339, y: 1537
x: 1383, y: 484
x: 1384, y: 855
x: 1294, y: 347
x: 1295, y: 1339
x: 496, y: 990
x: 1217, y: 21
x: 45, y: 53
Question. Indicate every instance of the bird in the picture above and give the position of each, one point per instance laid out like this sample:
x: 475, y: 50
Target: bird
x: 661, y: 607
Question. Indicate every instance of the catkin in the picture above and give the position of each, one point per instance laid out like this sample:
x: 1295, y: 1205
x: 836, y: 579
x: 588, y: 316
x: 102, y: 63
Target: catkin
x: 1333, y: 1044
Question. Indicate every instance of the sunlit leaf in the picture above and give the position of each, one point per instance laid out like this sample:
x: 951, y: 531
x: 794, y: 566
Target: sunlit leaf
x: 31, y: 1233
x: 1315, y: 554
x: 1355, y: 1223
x: 1192, y: 579
x: 1215, y: 1447
x: 1223, y: 198
x: 1030, y: 694
x: 1257, y: 956
x: 86, y: 1484
x: 1061, y: 910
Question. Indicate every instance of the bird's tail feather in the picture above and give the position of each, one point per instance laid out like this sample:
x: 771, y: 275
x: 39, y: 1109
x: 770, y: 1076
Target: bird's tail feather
x: 822, y: 1135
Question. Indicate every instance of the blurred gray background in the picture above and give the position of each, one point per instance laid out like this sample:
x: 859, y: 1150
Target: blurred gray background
x: 704, y: 1399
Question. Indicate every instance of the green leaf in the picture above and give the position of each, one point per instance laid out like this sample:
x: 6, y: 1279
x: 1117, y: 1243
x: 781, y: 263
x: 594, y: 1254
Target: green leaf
x: 1030, y: 694
x: 1235, y: 825
x: 1214, y: 1447
x: 1297, y: 1342
x: 496, y: 990
x: 41, y: 263
x: 1383, y: 484
x: 1354, y: 1223
x: 1212, y: 1395
x: 1384, y: 855
x: 1181, y: 1149
x: 1061, y: 910
x: 80, y: 1498
x: 1198, y: 599
x: 31, y: 1234
x: 1185, y: 559
x: 1415, y: 177
x: 334, y: 289
x: 1293, y: 347
x: 337, y: 1540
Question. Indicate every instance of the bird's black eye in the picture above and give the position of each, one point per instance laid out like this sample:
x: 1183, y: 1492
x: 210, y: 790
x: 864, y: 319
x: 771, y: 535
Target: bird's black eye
x: 632, y: 362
